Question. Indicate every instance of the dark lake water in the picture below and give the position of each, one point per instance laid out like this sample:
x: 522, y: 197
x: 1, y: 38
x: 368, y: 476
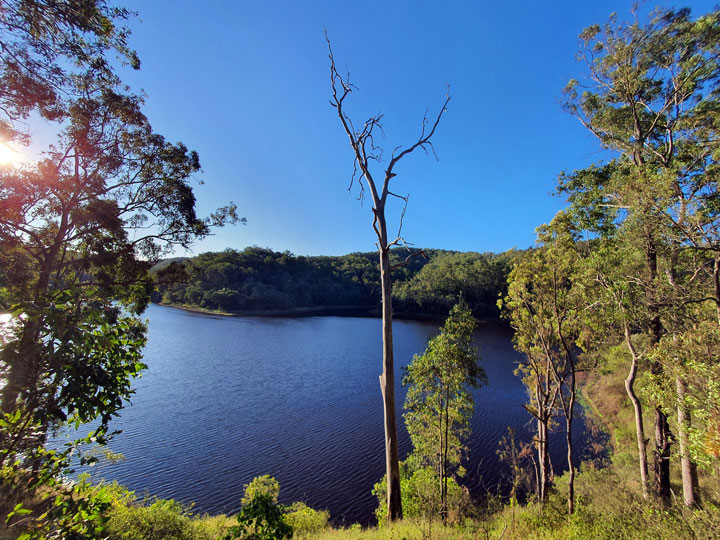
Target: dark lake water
x: 226, y: 399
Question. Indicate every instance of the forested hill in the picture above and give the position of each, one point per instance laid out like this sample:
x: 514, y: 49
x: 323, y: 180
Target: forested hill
x: 260, y: 280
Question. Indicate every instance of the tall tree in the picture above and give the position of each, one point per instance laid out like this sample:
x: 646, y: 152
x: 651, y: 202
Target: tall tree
x: 365, y: 152
x: 535, y: 368
x: 79, y: 231
x: 439, y: 404
x: 612, y: 268
x: 649, y: 89
x: 546, y: 306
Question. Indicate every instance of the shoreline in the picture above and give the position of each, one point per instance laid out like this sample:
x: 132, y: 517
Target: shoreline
x: 325, y: 311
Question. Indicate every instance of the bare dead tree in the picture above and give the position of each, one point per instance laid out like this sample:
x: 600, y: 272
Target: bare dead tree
x: 366, y: 151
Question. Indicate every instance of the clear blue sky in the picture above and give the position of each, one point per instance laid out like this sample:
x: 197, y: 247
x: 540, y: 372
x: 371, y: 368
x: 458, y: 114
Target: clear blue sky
x: 246, y: 84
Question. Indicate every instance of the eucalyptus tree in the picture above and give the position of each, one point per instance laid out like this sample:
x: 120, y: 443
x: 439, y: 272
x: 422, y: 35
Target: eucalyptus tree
x: 546, y: 304
x: 92, y: 215
x: 649, y: 95
x: 612, y: 269
x: 44, y: 44
x: 79, y: 230
x: 439, y: 404
x: 365, y: 152
x: 535, y: 369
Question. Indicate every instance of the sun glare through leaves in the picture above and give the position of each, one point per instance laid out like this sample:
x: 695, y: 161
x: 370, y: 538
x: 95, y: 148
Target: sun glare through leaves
x: 9, y: 156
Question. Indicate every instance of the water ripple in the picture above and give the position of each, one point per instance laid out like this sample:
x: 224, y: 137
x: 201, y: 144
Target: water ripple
x: 228, y: 399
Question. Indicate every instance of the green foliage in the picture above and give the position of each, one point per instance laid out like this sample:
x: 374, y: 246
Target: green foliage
x: 261, y: 519
x: 476, y: 278
x: 72, y: 512
x: 607, y: 509
x: 517, y: 456
x: 439, y: 404
x: 421, y: 497
x: 699, y: 369
x: 46, y: 45
x: 131, y: 519
x: 651, y: 99
x: 305, y: 521
x: 79, y: 229
x: 265, y: 486
x: 546, y: 306
x: 164, y: 519
x: 262, y: 279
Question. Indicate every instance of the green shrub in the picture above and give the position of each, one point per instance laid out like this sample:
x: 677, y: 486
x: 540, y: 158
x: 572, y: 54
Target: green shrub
x: 133, y: 519
x: 421, y: 495
x: 162, y: 520
x: 304, y: 520
x: 264, y: 485
x: 260, y: 519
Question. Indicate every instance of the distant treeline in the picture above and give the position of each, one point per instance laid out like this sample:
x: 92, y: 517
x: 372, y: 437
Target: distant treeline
x: 259, y: 279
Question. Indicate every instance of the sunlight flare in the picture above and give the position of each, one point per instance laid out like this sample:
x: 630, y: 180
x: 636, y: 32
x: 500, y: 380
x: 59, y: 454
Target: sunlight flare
x: 9, y: 156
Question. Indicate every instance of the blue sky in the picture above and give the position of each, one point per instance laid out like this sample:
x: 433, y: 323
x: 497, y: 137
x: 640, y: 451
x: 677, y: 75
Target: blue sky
x: 246, y: 84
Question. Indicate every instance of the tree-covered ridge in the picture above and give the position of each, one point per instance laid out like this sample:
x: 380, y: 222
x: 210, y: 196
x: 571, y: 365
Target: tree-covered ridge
x: 256, y: 279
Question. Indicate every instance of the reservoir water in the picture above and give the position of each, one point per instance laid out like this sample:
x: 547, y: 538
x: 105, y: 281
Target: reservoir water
x: 226, y: 399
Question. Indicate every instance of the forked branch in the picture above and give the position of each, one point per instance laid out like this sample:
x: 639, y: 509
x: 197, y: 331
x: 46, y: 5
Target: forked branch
x: 363, y: 141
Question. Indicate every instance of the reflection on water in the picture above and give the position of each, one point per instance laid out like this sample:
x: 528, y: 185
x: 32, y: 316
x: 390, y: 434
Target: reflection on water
x: 226, y: 399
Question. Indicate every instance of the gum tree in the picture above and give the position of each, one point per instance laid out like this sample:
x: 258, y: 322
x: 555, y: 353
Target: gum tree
x: 79, y: 230
x: 649, y: 95
x: 365, y: 153
x: 612, y: 269
x: 439, y: 404
x: 546, y: 307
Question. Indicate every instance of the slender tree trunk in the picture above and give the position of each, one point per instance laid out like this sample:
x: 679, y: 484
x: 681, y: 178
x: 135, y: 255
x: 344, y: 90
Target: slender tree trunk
x: 661, y: 455
x: 571, y: 465
x: 543, y: 460
x: 441, y: 437
x: 444, y: 505
x: 387, y: 385
x: 689, y: 476
x: 537, y: 475
x: 569, y: 410
x: 716, y: 283
x: 22, y: 363
x: 637, y: 408
x: 22, y: 368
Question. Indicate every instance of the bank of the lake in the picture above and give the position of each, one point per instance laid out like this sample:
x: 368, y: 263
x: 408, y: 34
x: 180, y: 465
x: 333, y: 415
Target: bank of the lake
x: 326, y: 311
x: 311, y: 311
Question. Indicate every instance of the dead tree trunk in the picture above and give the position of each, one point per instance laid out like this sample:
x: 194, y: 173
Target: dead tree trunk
x: 364, y: 150
x: 387, y: 382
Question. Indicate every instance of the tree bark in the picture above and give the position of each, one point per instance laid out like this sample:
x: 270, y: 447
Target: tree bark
x: 661, y: 455
x: 22, y: 368
x: 359, y: 142
x: 543, y: 460
x: 571, y: 465
x: 689, y: 476
x: 637, y: 408
x: 387, y: 385
x: 443, y: 495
